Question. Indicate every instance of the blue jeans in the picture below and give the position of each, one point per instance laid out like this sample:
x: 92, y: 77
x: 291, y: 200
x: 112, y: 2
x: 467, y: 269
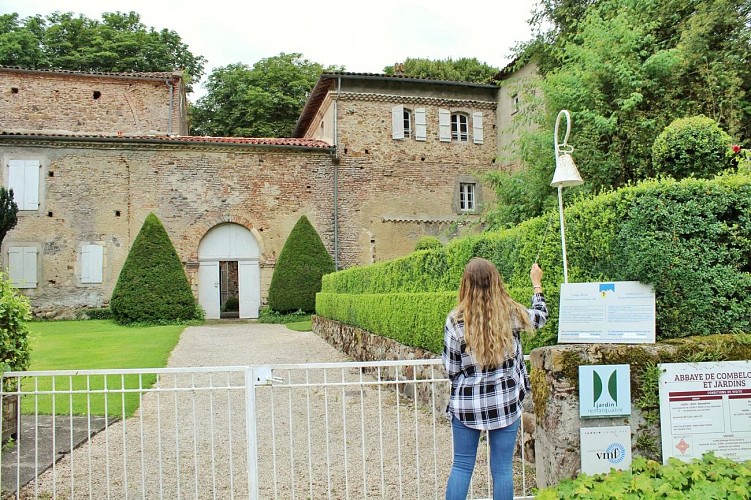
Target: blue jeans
x: 502, y: 444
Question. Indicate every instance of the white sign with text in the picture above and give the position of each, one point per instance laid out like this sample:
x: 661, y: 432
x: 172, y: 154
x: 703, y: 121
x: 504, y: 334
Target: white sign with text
x: 604, y: 390
x: 603, y: 448
x: 617, y: 312
x: 706, y: 407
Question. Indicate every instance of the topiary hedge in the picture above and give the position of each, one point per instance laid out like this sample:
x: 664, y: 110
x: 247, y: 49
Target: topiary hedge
x: 297, y: 275
x: 414, y: 319
x: 152, y: 286
x: 694, y: 146
x: 691, y: 239
x: 428, y: 243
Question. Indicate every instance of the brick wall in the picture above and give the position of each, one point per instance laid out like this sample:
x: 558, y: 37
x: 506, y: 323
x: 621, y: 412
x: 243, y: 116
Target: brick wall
x: 96, y: 195
x: 40, y: 101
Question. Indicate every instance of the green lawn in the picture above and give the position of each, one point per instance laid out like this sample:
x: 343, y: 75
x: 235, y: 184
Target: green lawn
x: 88, y: 345
x: 301, y: 326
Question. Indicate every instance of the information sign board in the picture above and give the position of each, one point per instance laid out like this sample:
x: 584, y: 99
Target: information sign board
x: 604, y: 390
x: 619, y: 312
x: 706, y: 407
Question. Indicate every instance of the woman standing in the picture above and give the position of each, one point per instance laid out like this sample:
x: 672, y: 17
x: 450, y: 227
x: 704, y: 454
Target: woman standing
x: 483, y: 356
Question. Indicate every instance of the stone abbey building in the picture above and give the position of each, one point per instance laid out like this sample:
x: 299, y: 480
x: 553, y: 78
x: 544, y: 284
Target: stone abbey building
x: 375, y: 163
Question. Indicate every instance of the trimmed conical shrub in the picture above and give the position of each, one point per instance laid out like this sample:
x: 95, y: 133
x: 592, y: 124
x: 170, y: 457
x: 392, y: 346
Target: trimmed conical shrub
x: 297, y: 276
x: 152, y: 286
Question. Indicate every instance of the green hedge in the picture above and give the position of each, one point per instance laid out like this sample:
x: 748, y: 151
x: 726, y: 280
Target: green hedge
x: 414, y: 319
x: 691, y: 239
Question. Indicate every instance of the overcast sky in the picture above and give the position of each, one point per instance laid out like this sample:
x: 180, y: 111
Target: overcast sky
x: 362, y: 36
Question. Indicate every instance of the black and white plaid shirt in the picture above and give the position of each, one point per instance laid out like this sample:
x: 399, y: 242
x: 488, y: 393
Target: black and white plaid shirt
x: 490, y: 398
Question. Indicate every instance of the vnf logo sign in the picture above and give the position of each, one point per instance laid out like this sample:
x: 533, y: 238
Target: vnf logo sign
x: 614, y: 453
x: 602, y: 398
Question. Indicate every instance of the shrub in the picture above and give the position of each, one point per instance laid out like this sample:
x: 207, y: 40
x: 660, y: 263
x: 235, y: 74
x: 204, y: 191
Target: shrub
x: 301, y: 264
x: 232, y: 304
x: 15, y: 311
x: 710, y: 477
x: 694, y: 146
x: 266, y: 315
x: 152, y: 286
x: 428, y: 243
x: 97, y: 313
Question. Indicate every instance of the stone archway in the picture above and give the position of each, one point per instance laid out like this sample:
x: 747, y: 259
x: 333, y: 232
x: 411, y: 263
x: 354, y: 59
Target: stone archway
x: 229, y: 243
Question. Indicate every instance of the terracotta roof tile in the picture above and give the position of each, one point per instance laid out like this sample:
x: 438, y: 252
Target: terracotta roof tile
x: 156, y: 75
x: 261, y: 141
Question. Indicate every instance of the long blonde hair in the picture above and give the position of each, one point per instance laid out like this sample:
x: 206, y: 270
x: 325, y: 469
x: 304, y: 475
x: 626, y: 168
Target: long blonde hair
x: 489, y: 314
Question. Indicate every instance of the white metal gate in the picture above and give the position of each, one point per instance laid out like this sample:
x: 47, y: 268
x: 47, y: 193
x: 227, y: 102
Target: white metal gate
x: 323, y: 430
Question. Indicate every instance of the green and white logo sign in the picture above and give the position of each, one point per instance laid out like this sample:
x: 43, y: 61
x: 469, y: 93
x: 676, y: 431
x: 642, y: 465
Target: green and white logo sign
x: 604, y: 391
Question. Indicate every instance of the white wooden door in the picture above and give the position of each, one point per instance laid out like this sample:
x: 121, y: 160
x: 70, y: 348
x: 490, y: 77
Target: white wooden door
x: 208, y: 288
x: 249, y: 276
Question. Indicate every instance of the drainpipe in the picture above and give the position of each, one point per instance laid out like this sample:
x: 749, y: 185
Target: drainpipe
x: 336, y: 174
x: 171, y: 104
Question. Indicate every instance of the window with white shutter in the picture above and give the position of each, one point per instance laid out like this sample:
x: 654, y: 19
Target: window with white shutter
x: 23, y: 179
x: 477, y: 135
x: 397, y: 122
x: 22, y: 266
x: 444, y: 125
x: 459, y: 127
x: 91, y: 263
x: 421, y: 125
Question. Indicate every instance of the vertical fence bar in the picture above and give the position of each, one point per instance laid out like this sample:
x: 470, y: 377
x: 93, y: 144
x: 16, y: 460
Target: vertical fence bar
x: 229, y: 437
x: 362, y: 438
x: 291, y: 437
x: 158, y: 387
x: 380, y: 430
x: 123, y: 413
x: 211, y: 427
x: 143, y: 451
x: 344, y: 433
x: 310, y: 444
x: 250, y: 433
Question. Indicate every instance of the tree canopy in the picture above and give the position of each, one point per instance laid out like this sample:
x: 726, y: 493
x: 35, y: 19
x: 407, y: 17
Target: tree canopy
x: 263, y: 100
x: 464, y: 69
x: 119, y: 42
x: 626, y: 70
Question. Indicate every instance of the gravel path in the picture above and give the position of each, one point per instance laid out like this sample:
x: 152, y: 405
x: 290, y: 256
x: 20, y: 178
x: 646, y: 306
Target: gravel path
x: 352, y: 438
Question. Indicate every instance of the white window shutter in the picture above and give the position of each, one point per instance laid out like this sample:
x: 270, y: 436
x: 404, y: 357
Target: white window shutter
x: 16, y: 170
x: 444, y: 125
x: 421, y: 125
x: 477, y: 127
x: 91, y: 264
x: 397, y: 122
x: 22, y: 266
x: 31, y: 186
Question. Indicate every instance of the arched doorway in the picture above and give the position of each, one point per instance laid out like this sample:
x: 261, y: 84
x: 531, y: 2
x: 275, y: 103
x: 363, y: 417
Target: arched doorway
x: 229, y: 272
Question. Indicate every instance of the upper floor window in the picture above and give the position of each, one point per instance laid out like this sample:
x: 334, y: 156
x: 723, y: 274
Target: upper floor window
x: 459, y: 127
x: 454, y: 126
x: 402, y: 120
x: 514, y: 103
x: 23, y: 179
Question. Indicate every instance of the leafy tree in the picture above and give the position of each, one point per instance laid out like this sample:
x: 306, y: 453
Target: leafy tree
x: 264, y: 100
x: 464, y: 69
x: 8, y: 212
x: 301, y: 264
x: 628, y: 69
x: 119, y: 42
x: 152, y: 286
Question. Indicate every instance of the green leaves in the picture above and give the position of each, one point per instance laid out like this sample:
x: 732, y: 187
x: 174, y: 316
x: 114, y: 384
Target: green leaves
x: 15, y: 311
x: 709, y: 478
x: 302, y: 263
x: 119, y: 42
x: 264, y: 100
x: 152, y: 286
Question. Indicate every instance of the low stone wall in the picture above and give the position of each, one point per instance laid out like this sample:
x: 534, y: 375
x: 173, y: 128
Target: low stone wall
x: 555, y: 391
x: 361, y: 345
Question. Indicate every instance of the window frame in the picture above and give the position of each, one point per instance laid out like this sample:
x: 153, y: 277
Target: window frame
x: 459, y: 198
x: 467, y: 197
x: 456, y: 124
x: 22, y: 176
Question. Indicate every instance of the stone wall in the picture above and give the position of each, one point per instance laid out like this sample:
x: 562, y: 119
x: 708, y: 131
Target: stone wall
x: 82, y: 103
x: 95, y: 195
x: 555, y: 372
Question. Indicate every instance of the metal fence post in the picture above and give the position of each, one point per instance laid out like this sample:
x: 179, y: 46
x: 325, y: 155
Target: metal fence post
x: 250, y: 429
